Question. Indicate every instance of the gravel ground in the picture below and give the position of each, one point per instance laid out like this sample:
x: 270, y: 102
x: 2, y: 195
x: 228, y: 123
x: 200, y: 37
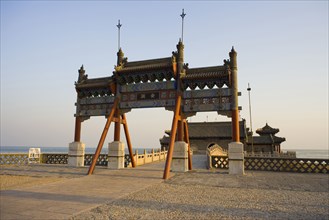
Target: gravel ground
x: 213, y: 195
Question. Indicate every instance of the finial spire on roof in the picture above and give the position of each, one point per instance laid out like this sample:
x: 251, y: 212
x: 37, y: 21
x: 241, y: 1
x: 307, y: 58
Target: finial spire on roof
x: 82, y: 75
x: 119, y: 27
x: 183, y: 15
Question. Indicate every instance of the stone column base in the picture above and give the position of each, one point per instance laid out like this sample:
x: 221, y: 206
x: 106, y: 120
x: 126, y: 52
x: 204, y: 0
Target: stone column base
x: 180, y: 157
x: 236, y: 158
x: 116, y: 155
x: 76, y: 155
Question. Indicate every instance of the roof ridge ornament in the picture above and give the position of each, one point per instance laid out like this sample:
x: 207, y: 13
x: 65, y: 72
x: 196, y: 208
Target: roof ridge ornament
x: 233, y: 50
x: 183, y: 15
x: 82, y: 76
x: 119, y: 27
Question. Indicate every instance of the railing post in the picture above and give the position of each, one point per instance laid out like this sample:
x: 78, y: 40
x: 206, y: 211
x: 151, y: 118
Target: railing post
x: 152, y: 155
x: 136, y: 155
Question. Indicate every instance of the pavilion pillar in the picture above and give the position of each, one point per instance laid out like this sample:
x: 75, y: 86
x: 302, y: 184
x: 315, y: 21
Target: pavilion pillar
x: 180, y: 151
x: 76, y: 154
x: 180, y: 157
x: 77, y: 131
x: 172, y: 138
x: 116, y: 149
x: 116, y: 155
x: 235, y: 148
x: 117, y: 126
x: 102, y: 138
x: 180, y: 133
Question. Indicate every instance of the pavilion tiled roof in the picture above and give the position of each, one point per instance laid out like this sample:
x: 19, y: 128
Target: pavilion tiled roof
x: 267, y: 130
x: 207, y: 72
x: 145, y: 65
x: 212, y: 129
x: 95, y: 83
x: 266, y: 139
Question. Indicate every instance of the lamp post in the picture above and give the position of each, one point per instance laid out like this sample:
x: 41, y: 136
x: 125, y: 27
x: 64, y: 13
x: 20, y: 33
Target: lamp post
x: 252, y: 139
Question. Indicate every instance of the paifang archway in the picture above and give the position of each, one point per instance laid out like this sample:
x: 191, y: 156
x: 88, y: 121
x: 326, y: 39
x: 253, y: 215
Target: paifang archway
x: 167, y: 82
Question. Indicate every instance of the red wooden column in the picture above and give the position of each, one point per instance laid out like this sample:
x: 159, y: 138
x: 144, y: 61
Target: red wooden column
x: 103, y: 136
x: 77, y: 130
x: 180, y: 130
x: 235, y: 106
x: 172, y: 137
x: 117, y: 126
x: 235, y: 126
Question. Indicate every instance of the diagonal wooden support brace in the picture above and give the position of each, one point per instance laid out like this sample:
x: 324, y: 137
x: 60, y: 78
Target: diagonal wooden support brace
x: 125, y: 127
x: 103, y: 136
x: 172, y: 137
x: 187, y: 140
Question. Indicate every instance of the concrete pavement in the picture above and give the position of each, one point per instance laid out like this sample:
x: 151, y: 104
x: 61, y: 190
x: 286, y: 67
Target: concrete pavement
x: 118, y: 193
x: 62, y: 199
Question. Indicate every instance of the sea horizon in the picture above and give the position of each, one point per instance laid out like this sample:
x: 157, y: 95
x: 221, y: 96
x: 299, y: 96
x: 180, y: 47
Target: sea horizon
x: 300, y: 153
x: 47, y: 149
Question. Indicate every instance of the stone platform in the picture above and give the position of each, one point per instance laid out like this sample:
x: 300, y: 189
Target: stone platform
x: 141, y: 193
x: 76, y: 192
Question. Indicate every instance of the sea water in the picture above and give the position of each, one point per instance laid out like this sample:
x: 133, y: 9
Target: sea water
x: 300, y: 153
x: 312, y: 154
x: 62, y: 150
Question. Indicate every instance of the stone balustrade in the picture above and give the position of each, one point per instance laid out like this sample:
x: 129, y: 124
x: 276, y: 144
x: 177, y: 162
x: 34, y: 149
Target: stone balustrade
x: 62, y: 158
x: 298, y: 165
x: 14, y: 159
x: 215, y: 150
x: 151, y: 157
x: 288, y: 154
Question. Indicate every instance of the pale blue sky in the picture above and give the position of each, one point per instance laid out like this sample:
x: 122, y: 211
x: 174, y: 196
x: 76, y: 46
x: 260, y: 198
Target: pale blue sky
x: 282, y: 51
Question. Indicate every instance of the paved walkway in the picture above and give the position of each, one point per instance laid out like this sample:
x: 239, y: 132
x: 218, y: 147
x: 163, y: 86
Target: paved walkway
x: 59, y: 200
x: 128, y: 193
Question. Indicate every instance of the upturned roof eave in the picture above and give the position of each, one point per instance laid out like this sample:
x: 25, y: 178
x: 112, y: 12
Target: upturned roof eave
x: 207, y: 72
x: 145, y: 65
x: 267, y: 130
x: 95, y: 83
